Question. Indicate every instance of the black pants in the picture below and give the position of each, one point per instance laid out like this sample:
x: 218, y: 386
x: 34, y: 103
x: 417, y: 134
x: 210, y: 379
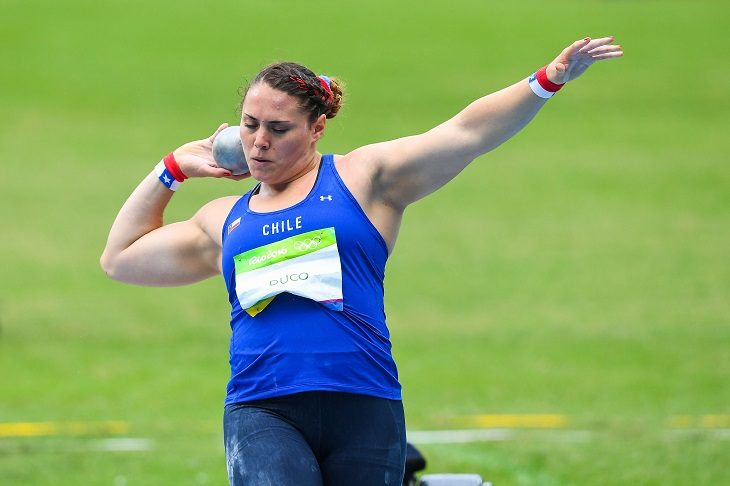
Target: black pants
x: 315, y: 438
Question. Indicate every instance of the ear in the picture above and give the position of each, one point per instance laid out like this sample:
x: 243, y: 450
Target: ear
x: 318, y: 127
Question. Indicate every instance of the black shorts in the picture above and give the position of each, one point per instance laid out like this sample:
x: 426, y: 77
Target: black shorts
x: 315, y: 438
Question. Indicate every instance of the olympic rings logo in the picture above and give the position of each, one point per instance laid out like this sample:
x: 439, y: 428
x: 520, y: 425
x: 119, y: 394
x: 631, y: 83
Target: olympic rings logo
x: 307, y: 243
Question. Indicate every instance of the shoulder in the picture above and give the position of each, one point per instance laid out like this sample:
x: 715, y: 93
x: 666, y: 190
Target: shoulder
x: 354, y: 170
x: 217, y: 206
x: 365, y: 169
x: 361, y: 163
x: 373, y: 159
x: 212, y: 215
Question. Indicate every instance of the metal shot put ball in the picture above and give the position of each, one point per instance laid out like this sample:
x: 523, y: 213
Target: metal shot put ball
x: 228, y: 151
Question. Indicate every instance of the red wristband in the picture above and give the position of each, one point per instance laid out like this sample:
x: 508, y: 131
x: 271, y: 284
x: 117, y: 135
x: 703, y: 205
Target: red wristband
x: 173, y: 168
x: 546, y: 84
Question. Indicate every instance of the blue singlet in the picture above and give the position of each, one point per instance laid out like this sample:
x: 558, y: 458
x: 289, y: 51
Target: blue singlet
x: 305, y: 285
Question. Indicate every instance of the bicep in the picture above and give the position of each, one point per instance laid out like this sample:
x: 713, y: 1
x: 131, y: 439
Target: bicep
x: 410, y: 168
x: 174, y: 254
x: 413, y: 167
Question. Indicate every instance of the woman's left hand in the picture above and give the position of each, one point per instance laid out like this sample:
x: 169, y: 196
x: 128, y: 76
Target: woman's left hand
x: 579, y: 56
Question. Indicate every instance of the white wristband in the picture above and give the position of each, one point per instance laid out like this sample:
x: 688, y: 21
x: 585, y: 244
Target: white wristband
x: 537, y: 89
x: 165, y: 177
x: 542, y: 86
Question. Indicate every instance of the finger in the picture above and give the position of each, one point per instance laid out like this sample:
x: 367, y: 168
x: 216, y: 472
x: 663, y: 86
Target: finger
x: 208, y: 168
x: 576, y: 47
x: 601, y: 41
x: 220, y: 172
x: 604, y: 50
x: 608, y: 55
x: 220, y: 129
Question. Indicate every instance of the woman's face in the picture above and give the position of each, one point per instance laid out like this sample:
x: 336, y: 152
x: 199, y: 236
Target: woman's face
x: 278, y: 140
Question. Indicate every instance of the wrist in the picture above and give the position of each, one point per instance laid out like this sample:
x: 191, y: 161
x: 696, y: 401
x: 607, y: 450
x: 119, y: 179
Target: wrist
x: 173, y: 167
x: 169, y: 173
x: 542, y: 86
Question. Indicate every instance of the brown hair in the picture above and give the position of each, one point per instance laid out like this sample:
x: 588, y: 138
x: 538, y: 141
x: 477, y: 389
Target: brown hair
x: 300, y: 82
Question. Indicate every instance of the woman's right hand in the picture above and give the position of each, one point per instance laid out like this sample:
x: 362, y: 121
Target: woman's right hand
x: 196, y: 159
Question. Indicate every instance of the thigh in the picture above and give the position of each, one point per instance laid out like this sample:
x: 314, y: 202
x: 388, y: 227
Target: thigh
x: 365, y: 440
x: 264, y: 449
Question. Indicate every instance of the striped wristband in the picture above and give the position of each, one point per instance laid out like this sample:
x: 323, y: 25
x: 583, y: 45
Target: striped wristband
x: 542, y: 86
x: 169, y: 172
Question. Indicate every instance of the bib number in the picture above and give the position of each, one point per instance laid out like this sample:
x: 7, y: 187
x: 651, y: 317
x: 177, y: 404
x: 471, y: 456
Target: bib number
x: 307, y: 265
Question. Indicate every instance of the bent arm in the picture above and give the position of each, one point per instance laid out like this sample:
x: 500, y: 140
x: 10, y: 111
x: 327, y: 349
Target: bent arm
x: 410, y: 168
x: 142, y: 250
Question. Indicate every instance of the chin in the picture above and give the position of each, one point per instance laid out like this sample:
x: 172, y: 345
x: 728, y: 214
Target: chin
x: 260, y: 175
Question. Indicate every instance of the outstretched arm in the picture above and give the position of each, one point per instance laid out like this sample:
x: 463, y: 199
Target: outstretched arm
x: 410, y: 168
x: 143, y: 251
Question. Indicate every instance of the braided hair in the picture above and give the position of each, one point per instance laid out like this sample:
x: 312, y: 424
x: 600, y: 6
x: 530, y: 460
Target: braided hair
x: 317, y: 95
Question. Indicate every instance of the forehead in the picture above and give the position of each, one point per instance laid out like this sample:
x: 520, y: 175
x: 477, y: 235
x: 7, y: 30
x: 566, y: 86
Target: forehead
x: 266, y: 103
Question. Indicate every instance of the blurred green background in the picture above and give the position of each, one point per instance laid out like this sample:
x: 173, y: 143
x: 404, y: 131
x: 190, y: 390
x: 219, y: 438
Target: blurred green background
x: 587, y: 272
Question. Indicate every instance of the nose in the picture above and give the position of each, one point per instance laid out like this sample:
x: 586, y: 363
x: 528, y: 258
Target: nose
x: 261, y: 141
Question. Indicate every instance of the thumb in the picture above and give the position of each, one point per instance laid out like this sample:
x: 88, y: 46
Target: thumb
x: 557, y: 72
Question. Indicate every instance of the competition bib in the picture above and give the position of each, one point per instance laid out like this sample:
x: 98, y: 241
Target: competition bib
x: 307, y: 265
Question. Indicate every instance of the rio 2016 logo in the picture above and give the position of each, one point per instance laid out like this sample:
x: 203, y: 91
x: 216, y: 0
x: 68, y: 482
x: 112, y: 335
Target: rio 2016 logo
x: 267, y: 256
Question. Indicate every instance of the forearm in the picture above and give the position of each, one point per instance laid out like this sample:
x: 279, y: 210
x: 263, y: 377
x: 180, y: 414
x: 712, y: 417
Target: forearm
x: 492, y: 120
x: 141, y: 214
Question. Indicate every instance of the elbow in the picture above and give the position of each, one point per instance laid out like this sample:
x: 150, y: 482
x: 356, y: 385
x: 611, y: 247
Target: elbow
x: 107, y: 264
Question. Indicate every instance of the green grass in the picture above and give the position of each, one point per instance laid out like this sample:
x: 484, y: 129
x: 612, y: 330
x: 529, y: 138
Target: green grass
x: 581, y: 269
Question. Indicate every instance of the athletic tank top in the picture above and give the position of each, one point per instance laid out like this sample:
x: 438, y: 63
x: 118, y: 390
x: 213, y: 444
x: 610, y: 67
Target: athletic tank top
x: 305, y: 285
